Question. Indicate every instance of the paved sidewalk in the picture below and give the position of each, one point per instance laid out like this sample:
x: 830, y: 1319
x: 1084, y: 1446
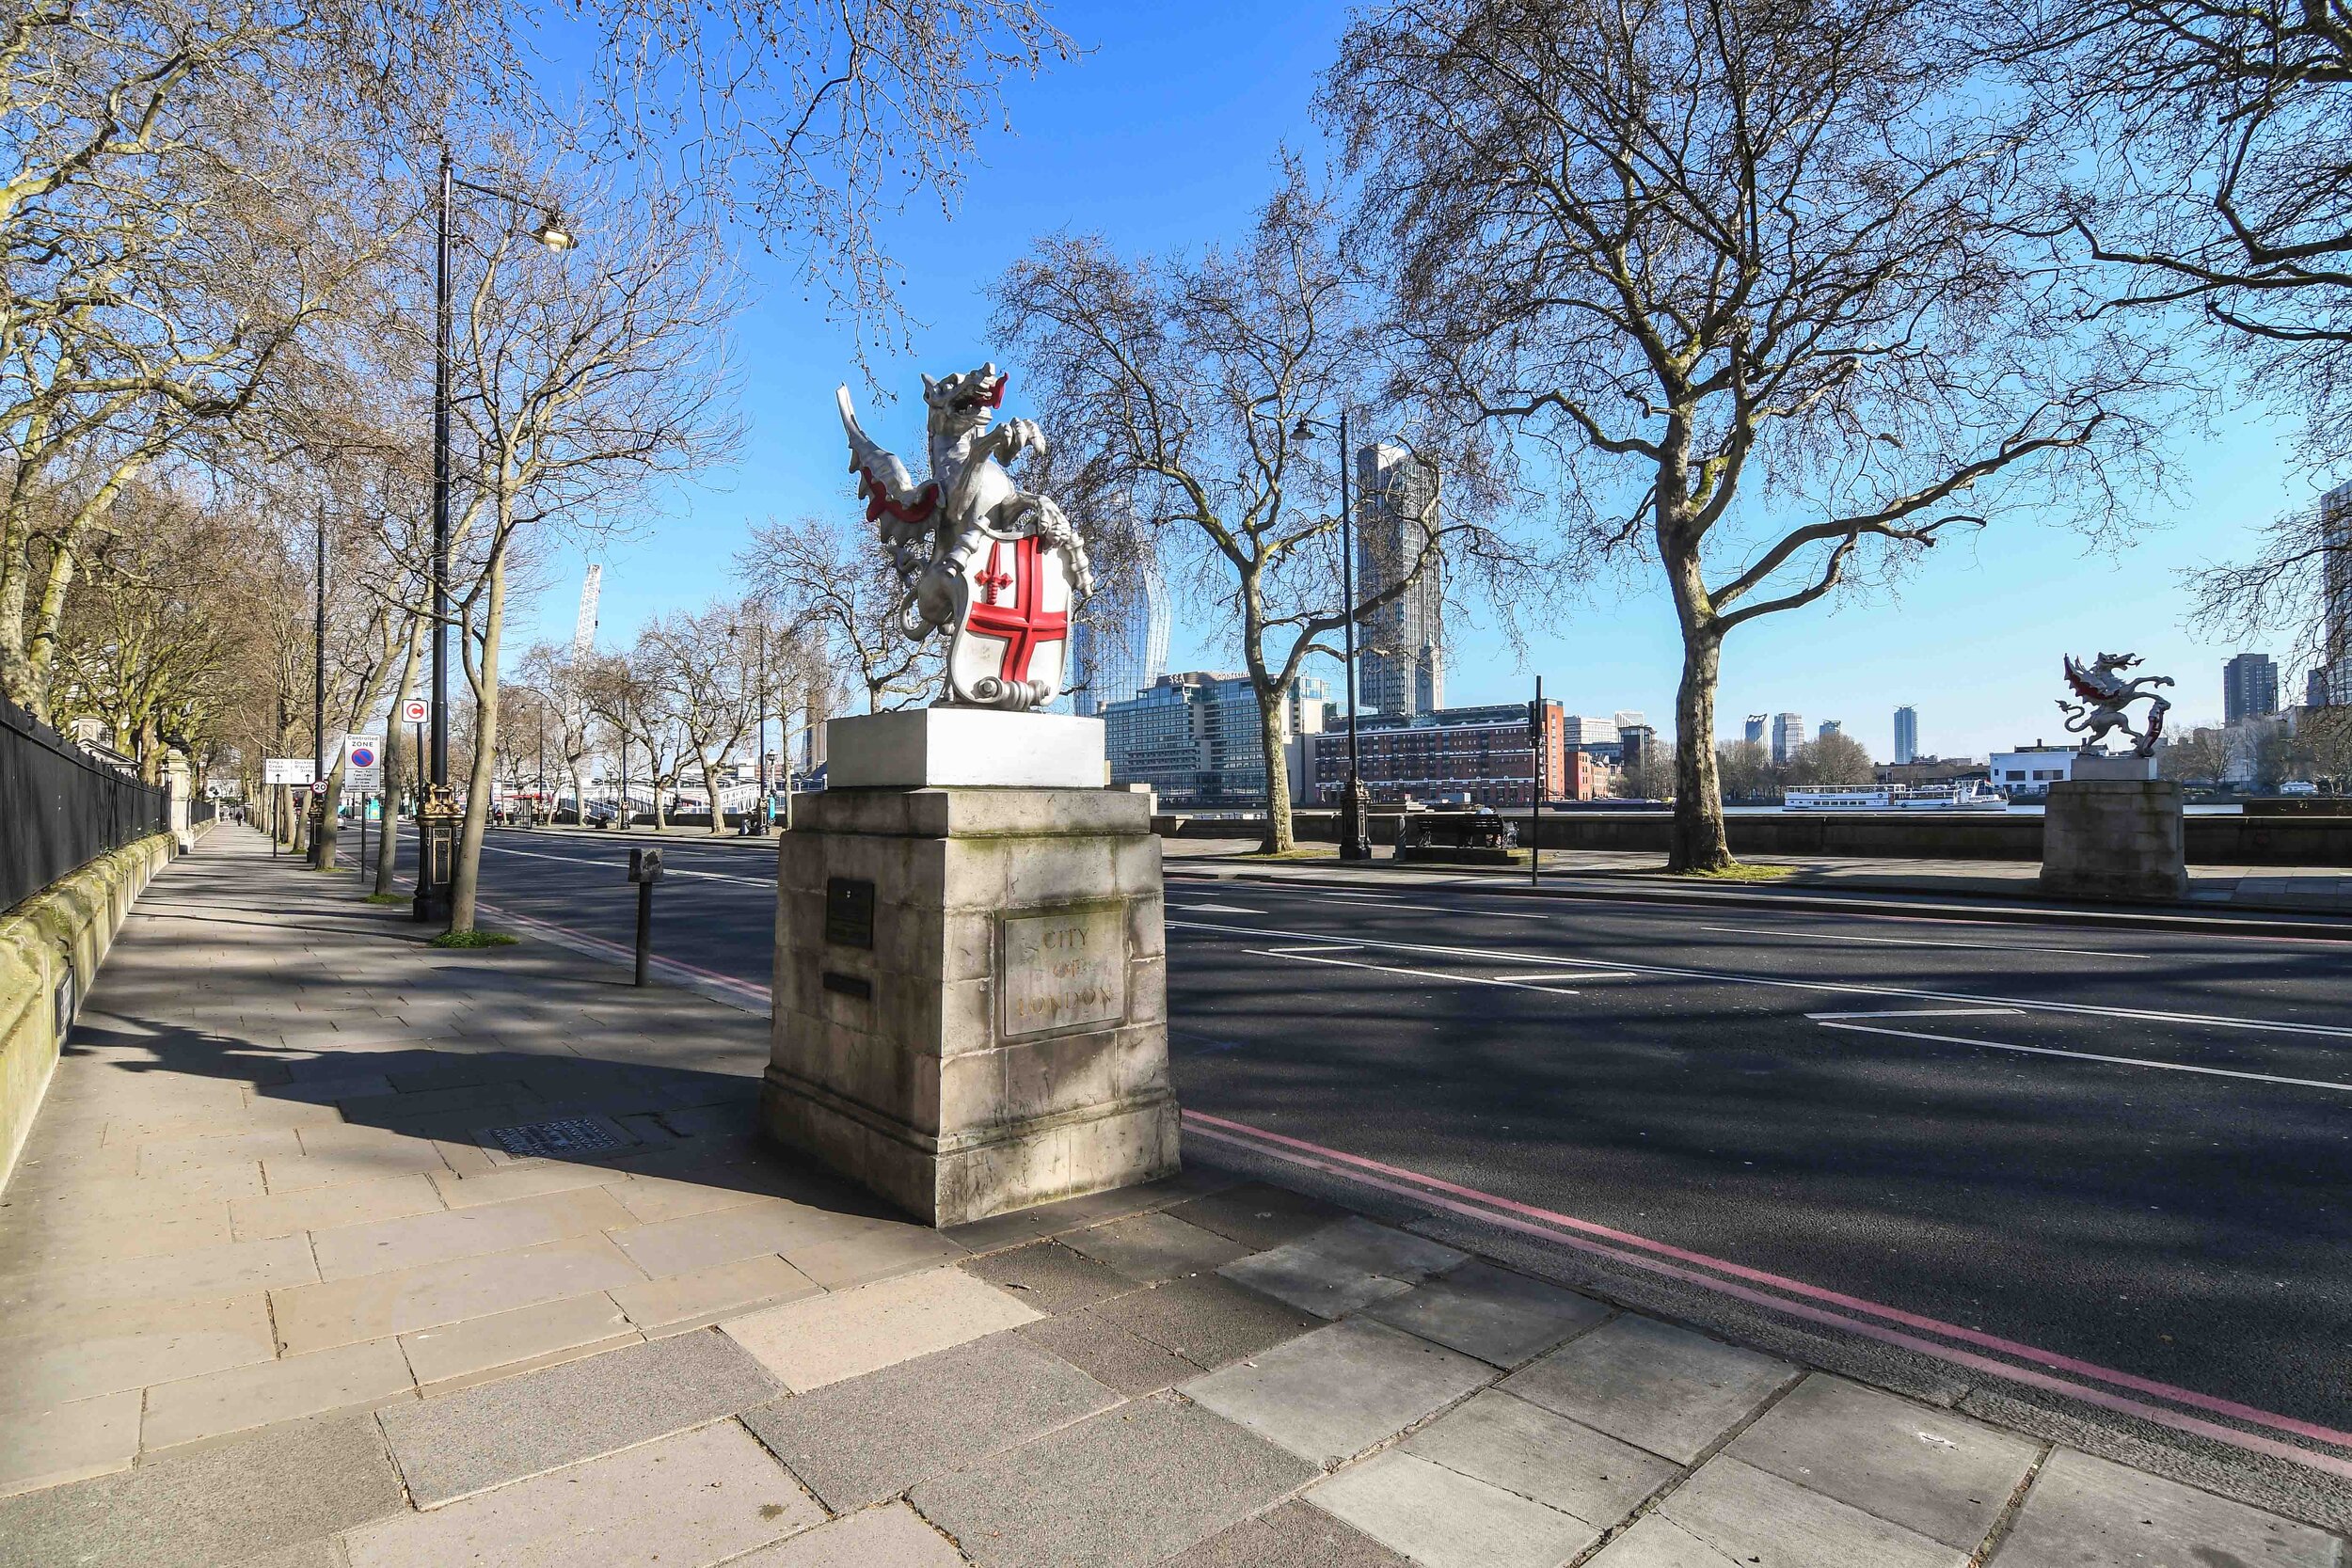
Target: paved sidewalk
x: 283, y: 1282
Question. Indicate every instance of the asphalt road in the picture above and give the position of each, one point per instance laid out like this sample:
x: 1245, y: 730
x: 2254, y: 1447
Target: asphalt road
x: 1984, y: 1123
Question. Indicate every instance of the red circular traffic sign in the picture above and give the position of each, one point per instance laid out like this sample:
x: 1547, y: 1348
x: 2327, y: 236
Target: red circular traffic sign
x: 416, y: 710
x: 318, y: 786
x: 363, y: 757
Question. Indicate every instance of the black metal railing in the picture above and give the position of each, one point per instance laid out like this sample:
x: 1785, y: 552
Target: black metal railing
x: 61, y: 808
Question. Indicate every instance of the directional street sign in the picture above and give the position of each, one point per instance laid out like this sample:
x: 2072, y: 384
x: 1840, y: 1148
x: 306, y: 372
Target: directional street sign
x: 289, y: 770
x: 416, y: 710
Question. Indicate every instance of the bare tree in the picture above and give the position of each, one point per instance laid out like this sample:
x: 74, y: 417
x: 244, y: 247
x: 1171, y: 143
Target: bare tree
x: 1177, y: 388
x: 837, y: 587
x: 698, y: 661
x: 620, y: 692
x: 1749, y: 269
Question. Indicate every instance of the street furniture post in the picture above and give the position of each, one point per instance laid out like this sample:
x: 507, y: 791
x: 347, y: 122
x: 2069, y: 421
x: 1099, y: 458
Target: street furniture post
x: 644, y: 869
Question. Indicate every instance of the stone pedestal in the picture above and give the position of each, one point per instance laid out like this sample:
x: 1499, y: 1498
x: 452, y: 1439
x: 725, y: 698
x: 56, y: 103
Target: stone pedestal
x: 2114, y: 839
x: 971, y: 993
x: 2100, y: 766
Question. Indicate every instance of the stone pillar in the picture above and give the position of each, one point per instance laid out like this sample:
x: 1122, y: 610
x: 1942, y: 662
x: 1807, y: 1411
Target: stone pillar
x: 2114, y: 838
x: 970, y: 980
x: 181, y: 784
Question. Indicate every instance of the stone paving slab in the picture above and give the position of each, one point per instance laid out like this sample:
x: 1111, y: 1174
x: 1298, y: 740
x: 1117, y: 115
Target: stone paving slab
x: 892, y: 1537
x: 485, y: 1437
x: 701, y: 1496
x: 1153, y: 1248
x: 1750, y: 1517
x: 1130, y: 1486
x: 349, y: 1377
x: 1334, y: 1393
x: 1291, y: 1536
x: 1499, y: 1317
x: 872, y: 1438
x: 1108, y: 1354
x: 1942, y: 1475
x: 832, y: 1337
x: 1442, y: 1518
x: 1658, y: 1388
x: 1050, y: 1277
x: 1525, y: 1449
x: 1205, y: 1320
x: 292, y: 1484
x: 2087, y: 1512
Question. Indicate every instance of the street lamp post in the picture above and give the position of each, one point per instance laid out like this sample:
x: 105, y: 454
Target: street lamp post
x: 318, y: 706
x: 1354, y: 835
x: 437, y: 812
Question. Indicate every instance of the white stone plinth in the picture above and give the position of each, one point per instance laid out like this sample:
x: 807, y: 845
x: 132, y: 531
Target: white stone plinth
x: 2103, y: 764
x: 950, y: 748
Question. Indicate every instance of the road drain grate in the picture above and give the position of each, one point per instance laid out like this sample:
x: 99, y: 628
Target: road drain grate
x: 571, y: 1135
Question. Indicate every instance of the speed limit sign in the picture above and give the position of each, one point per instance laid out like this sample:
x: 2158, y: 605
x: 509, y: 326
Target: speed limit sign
x: 318, y: 786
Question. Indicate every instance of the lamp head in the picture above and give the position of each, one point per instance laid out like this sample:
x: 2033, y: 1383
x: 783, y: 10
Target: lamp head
x: 552, y: 234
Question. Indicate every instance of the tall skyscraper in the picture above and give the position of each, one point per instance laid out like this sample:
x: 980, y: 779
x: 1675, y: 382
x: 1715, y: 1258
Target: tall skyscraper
x: 1830, y: 727
x: 2250, y: 688
x: 1755, y: 727
x: 1401, y: 665
x: 2317, y: 688
x: 1120, y: 644
x: 1906, y: 733
x: 1787, y: 734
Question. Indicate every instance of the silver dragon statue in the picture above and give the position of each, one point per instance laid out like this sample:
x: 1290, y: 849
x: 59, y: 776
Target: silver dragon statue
x: 997, y: 567
x: 2106, y: 700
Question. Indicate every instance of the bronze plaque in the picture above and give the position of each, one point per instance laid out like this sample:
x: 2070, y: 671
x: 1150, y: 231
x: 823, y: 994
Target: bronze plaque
x: 850, y: 912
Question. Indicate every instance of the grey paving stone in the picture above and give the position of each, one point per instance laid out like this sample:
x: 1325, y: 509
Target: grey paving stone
x: 1342, y: 1267
x: 1150, y: 1248
x: 2085, y: 1513
x: 1130, y: 1486
x: 225, y: 1504
x: 1049, y: 1276
x: 1754, y: 1517
x: 1945, y: 1476
x: 1259, y: 1215
x: 1291, y: 1536
x: 1526, y: 1448
x: 1108, y: 1354
x: 452, y: 1446
x: 892, y: 1537
x: 1498, y: 1316
x: 692, y: 1499
x: 1656, y: 1387
x: 1444, y: 1519
x: 1206, y: 1320
x: 1334, y: 1393
x: 872, y: 1438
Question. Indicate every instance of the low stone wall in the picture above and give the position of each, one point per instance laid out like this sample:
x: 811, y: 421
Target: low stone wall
x: 54, y: 940
x: 2215, y: 840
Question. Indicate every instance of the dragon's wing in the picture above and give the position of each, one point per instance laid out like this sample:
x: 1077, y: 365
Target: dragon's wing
x: 2076, y: 676
x: 884, y: 482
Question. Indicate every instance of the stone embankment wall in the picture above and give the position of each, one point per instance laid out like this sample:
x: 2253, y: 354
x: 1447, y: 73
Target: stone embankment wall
x: 2254, y: 839
x: 50, y: 946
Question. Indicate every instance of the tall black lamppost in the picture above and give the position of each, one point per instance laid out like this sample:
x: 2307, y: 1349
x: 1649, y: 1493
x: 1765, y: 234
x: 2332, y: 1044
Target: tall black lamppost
x: 318, y: 707
x: 437, y: 812
x: 1354, y: 837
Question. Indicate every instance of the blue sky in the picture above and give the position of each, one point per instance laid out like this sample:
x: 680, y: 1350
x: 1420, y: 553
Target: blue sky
x: 1163, y: 135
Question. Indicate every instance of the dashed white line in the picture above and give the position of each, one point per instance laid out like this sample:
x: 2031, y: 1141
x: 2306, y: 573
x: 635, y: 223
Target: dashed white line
x: 2085, y: 1055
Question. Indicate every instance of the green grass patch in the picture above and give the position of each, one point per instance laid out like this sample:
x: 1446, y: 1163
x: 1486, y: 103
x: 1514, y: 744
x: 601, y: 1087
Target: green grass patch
x: 387, y: 898
x: 472, y: 938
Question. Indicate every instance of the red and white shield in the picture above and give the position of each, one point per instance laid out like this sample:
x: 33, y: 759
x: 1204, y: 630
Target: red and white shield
x: 1008, y: 652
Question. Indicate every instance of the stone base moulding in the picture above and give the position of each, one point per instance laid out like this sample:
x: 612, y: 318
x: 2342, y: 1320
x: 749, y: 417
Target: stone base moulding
x: 971, y: 995
x: 2114, y: 840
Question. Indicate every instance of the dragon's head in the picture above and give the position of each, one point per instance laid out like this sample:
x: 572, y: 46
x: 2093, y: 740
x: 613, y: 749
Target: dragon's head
x: 964, y: 403
x: 2107, y: 664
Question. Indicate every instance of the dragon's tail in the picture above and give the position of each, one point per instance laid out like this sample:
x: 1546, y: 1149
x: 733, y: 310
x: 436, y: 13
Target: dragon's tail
x: 2078, y: 716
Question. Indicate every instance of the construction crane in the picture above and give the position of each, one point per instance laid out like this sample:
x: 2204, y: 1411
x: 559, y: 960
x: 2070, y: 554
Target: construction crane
x: 584, y: 630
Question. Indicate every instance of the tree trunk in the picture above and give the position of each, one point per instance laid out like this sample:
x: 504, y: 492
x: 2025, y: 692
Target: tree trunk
x: 1698, y: 842
x: 468, y: 881
x: 1281, y: 836
x: 710, y: 786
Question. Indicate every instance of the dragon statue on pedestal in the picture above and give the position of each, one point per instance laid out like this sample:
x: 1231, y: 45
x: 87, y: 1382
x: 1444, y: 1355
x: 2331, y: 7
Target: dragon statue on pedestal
x: 2106, y: 698
x: 999, y: 568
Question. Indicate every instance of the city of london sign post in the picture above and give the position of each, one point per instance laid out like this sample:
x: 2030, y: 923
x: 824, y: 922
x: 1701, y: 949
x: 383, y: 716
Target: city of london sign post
x: 996, y: 568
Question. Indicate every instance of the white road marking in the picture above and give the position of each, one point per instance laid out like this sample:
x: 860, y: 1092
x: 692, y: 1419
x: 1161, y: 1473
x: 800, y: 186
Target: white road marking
x: 1322, y: 947
x: 1296, y: 956
x: 1579, y: 974
x: 1923, y: 1012
x: 1845, y: 987
x: 2087, y: 1055
x: 1923, y: 941
x: 1213, y: 908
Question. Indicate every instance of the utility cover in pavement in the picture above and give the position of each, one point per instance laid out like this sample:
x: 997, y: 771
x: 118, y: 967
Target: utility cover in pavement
x: 555, y: 1140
